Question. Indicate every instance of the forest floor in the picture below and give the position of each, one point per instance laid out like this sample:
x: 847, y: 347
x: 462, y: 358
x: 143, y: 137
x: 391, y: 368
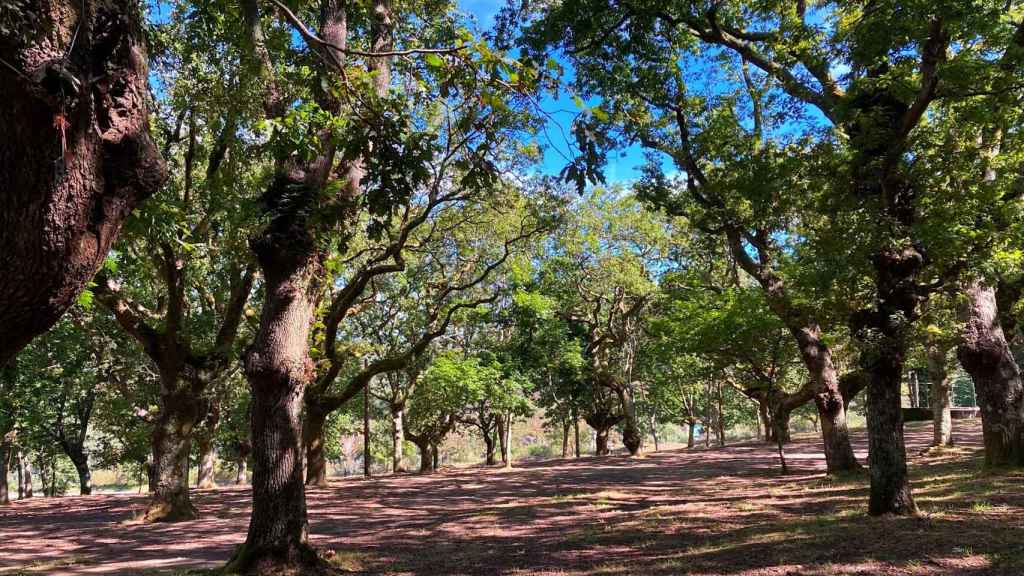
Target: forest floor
x: 720, y: 511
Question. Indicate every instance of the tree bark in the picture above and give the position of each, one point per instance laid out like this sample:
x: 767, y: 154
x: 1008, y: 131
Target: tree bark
x: 207, y: 464
x: 278, y: 368
x: 80, y: 460
x: 576, y: 431
x: 397, y: 438
x: 76, y: 158
x: 28, y: 477
x: 490, y: 460
x: 692, y: 426
x: 939, y: 393
x: 21, y: 474
x: 986, y: 356
x: 502, y: 439
x: 313, y: 440
x: 5, y: 454
x: 565, y: 438
x: 426, y: 456
x: 631, y: 437
x: 367, y: 456
x: 601, y: 441
x: 506, y: 456
x: 435, y: 452
x: 172, y: 444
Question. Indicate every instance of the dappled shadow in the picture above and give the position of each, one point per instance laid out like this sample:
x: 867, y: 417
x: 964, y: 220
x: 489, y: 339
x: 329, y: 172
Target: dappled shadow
x: 718, y: 511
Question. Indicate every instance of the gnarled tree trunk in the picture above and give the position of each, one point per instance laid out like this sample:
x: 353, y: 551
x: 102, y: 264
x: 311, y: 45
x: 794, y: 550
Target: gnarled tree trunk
x: 207, y: 464
x: 81, y: 462
x: 631, y: 437
x: 278, y: 368
x: 986, y: 356
x: 76, y: 155
x: 179, y: 413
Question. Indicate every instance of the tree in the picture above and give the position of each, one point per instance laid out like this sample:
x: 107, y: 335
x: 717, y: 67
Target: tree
x: 78, y: 156
x: 351, y: 148
x: 900, y: 62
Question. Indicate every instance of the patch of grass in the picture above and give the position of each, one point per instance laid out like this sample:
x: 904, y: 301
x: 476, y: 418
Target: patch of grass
x: 346, y: 560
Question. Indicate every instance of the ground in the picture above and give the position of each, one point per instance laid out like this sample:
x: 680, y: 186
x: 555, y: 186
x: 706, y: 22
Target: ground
x: 721, y: 511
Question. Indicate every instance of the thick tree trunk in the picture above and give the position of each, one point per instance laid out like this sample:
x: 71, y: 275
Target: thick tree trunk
x: 426, y: 457
x: 397, y: 438
x: 81, y: 462
x: 828, y: 399
x: 313, y: 440
x: 890, y: 485
x: 691, y: 426
x: 882, y: 332
x: 435, y: 451
x: 601, y: 441
x: 631, y: 437
x: 172, y: 444
x: 278, y: 368
x: 939, y: 394
x: 76, y: 156
x: 490, y: 460
x: 986, y: 356
x: 207, y: 464
x: 780, y: 426
x: 502, y: 440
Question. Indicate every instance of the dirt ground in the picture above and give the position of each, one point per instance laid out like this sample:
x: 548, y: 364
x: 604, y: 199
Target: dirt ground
x: 721, y: 511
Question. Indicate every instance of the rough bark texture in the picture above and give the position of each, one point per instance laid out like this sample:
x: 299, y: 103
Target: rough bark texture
x: 489, y: 458
x: 631, y: 436
x: 207, y: 464
x: 882, y: 332
x: 76, y: 156
x: 278, y: 368
x: 985, y: 355
x: 313, y: 440
x: 939, y: 393
x: 426, y: 456
x: 601, y: 441
x: 81, y: 462
x: 172, y: 444
x: 691, y: 428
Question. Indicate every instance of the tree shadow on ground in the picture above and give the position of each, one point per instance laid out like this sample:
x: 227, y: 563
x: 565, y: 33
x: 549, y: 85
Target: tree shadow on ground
x: 720, y: 511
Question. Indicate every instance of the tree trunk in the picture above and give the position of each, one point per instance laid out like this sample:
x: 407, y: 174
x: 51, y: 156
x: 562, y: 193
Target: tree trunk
x: 887, y: 458
x: 939, y: 394
x: 207, y: 463
x: 912, y: 389
x: 76, y: 157
x: 828, y: 399
x: 631, y: 437
x: 576, y: 431
x: 986, y: 356
x: 172, y: 444
x: 426, y: 456
x: 601, y: 441
x: 506, y: 456
x: 436, y: 456
x: 81, y: 461
x: 28, y: 477
x: 240, y: 470
x: 566, y: 428
x: 780, y: 424
x: 278, y: 368
x: 313, y: 440
x: 21, y: 474
x: 5, y: 453
x: 502, y: 440
x: 489, y: 448
x: 397, y: 438
x: 367, y: 456
x: 719, y: 416
x: 692, y: 426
